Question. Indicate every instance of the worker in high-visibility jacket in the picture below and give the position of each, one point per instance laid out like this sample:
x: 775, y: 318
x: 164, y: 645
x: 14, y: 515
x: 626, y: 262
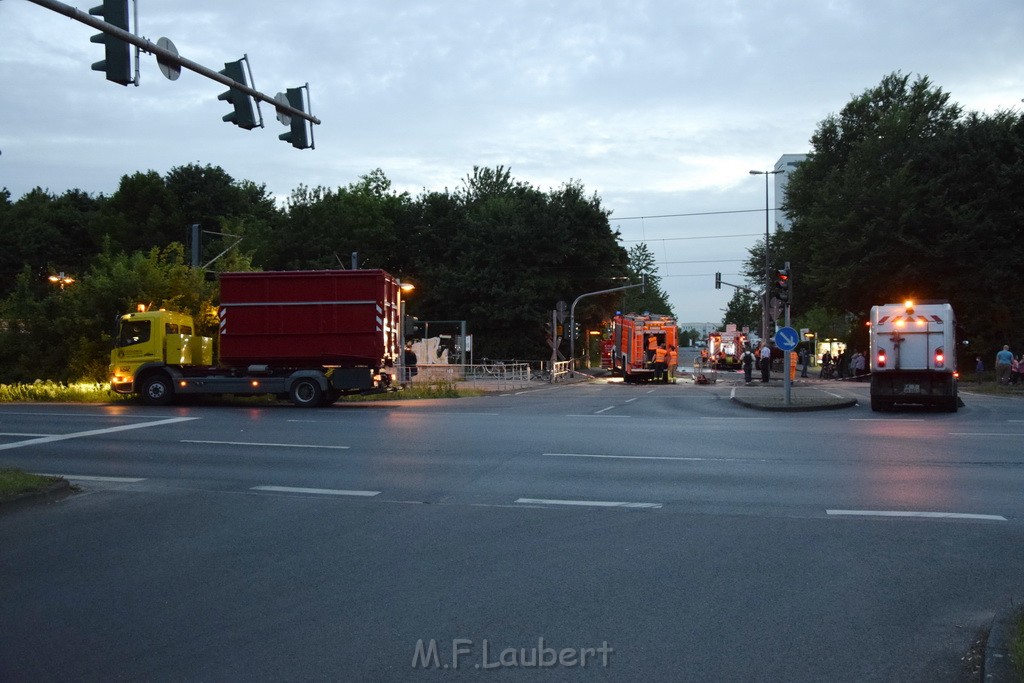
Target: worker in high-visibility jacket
x: 673, y: 362
x: 792, y: 365
x: 652, y: 348
x: 661, y: 364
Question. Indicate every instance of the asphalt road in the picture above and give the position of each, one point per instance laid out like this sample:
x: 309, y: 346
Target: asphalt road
x: 651, y: 533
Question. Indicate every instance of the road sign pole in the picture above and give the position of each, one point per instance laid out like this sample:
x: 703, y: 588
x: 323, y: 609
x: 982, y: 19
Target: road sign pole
x: 787, y: 384
x: 786, y: 338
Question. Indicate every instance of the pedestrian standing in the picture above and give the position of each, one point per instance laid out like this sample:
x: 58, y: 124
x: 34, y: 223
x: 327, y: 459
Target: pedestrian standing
x: 1004, y: 359
x: 1014, y: 371
x: 747, y: 361
x: 979, y: 368
x: 766, y: 362
x: 660, y: 363
x: 673, y: 362
x: 804, y: 359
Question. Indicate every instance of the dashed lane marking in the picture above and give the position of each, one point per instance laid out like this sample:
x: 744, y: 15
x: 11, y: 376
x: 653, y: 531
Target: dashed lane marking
x: 275, y: 445
x: 915, y: 513
x: 320, y: 492
x: 587, y: 503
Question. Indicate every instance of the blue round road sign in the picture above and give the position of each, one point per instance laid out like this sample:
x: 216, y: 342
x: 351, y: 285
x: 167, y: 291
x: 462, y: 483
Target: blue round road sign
x: 787, y: 338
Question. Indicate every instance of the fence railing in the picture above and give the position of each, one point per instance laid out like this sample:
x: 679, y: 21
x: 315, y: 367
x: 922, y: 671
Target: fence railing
x: 499, y: 374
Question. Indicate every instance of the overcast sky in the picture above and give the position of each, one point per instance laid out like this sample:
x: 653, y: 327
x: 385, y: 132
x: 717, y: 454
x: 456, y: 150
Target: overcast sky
x: 659, y: 107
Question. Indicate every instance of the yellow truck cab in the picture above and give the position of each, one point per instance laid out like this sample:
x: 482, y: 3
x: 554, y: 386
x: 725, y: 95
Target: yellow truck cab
x: 154, y: 338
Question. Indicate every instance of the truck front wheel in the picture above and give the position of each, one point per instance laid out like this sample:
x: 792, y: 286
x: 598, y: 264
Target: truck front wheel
x: 306, y: 393
x: 157, y: 390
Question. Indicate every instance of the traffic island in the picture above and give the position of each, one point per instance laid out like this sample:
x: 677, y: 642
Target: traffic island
x: 18, y: 488
x: 802, y: 399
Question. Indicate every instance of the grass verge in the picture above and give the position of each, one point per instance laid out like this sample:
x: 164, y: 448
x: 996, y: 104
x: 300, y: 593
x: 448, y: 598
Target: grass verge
x: 1017, y: 648
x: 14, y: 482
x: 56, y: 392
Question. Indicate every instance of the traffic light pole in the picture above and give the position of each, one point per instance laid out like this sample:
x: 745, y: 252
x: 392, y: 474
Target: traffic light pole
x: 169, y: 57
x: 572, y: 319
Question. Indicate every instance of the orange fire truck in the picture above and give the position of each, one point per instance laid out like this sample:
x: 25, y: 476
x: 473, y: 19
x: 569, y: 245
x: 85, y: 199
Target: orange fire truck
x: 632, y: 336
x: 725, y: 348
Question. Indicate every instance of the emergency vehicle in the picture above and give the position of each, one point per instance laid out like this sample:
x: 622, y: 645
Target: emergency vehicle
x: 633, y: 336
x: 913, y: 355
x: 725, y: 348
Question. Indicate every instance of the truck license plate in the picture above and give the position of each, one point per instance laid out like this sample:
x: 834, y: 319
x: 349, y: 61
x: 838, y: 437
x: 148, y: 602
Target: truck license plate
x: 911, y: 388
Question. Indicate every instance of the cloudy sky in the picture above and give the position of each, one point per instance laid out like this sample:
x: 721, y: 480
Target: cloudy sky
x: 659, y: 107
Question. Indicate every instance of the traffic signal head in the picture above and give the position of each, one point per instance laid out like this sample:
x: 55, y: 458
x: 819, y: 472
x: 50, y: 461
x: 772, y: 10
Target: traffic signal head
x: 783, y: 284
x: 117, y: 61
x: 298, y: 135
x: 244, y: 115
x: 718, y: 280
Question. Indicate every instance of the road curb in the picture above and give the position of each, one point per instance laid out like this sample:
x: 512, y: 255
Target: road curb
x: 58, y: 490
x: 773, y: 401
x: 998, y: 666
x: 806, y: 408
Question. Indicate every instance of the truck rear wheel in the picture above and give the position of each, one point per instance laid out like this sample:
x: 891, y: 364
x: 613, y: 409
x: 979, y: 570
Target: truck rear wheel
x: 306, y: 393
x: 157, y: 390
x: 881, y: 405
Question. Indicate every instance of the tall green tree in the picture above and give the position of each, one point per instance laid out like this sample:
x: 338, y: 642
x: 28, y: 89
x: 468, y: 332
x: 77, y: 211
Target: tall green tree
x: 654, y: 298
x: 904, y: 196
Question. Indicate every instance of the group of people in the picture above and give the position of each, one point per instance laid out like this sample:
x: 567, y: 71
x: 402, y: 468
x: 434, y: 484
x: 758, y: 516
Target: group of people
x: 762, y: 357
x: 1008, y: 367
x: 663, y: 359
x: 838, y: 366
x: 843, y: 365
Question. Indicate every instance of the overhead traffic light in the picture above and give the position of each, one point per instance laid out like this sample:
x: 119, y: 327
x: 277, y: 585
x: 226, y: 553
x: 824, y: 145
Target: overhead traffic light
x: 718, y: 280
x: 298, y: 136
x: 117, y: 62
x: 783, y: 285
x: 244, y: 115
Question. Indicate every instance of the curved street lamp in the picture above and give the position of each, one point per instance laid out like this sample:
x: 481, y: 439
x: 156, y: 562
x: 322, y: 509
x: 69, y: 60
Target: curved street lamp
x: 767, y: 268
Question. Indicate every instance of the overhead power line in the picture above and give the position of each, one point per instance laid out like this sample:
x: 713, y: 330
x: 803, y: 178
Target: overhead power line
x: 685, y: 215
x: 699, y: 237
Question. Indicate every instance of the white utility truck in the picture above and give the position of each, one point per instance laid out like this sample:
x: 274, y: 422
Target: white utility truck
x: 913, y: 355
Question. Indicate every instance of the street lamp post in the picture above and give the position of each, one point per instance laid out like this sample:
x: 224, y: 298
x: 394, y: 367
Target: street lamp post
x: 767, y: 267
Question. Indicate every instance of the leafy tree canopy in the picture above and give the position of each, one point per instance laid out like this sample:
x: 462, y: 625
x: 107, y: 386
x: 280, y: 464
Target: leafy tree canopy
x: 906, y: 196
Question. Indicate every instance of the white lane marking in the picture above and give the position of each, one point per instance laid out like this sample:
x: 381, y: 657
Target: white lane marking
x: 587, y: 503
x: 604, y: 410
x: 596, y: 415
x: 92, y: 432
x: 253, y: 443
x: 322, y: 492
x: 984, y: 434
x: 735, y: 419
x: 885, y: 419
x: 680, y: 458
x: 630, y: 400
x: 21, y: 434
x: 914, y: 513
x: 86, y: 477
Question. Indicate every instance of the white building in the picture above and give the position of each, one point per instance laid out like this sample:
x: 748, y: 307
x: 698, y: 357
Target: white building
x: 786, y: 163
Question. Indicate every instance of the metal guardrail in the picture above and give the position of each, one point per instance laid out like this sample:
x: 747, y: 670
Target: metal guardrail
x: 556, y: 371
x: 501, y: 375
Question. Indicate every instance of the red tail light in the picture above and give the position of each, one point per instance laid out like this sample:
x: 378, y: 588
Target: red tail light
x: 940, y: 359
x: 880, y: 360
